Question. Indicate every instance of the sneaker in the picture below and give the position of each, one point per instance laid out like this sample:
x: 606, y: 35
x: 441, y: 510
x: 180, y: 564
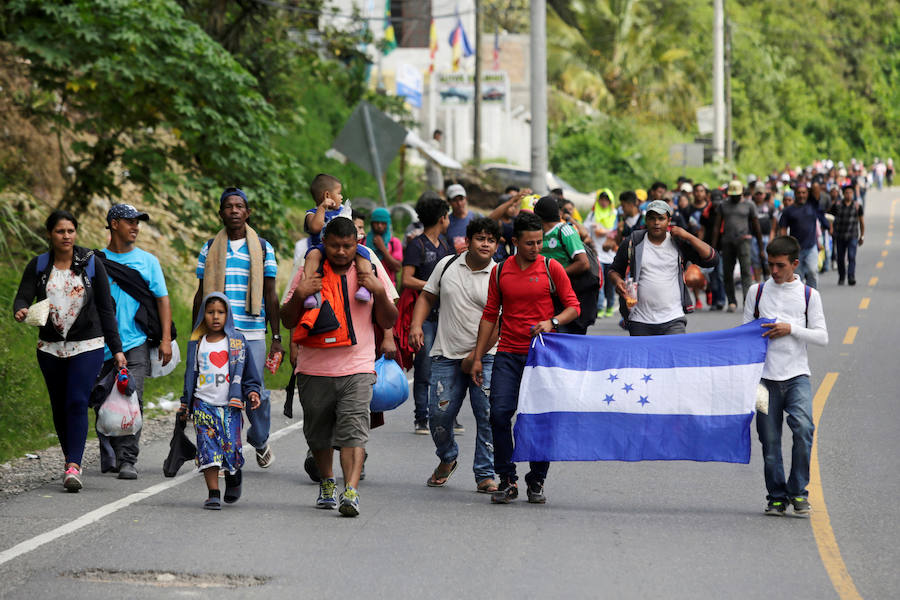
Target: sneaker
x: 265, y: 457
x: 601, y: 313
x: 535, y: 492
x: 421, y: 428
x: 801, y: 506
x: 326, y: 494
x: 698, y: 305
x: 349, y: 502
x: 309, y: 465
x: 72, y: 480
x: 127, y: 471
x: 851, y: 281
x: 776, y: 508
x: 508, y: 492
x: 841, y: 281
x: 610, y: 311
x: 732, y: 307
x: 213, y: 503
x: 363, y: 295
x: 458, y: 428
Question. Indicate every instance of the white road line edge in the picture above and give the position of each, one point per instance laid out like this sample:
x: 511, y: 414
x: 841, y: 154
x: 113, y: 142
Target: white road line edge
x: 108, y: 509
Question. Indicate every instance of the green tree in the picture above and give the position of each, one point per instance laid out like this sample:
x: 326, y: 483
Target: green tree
x: 154, y: 102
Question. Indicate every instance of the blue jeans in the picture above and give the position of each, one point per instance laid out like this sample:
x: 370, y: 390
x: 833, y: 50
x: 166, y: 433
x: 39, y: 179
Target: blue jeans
x: 505, y: 380
x: 422, y: 372
x: 448, y: 390
x: 846, y: 249
x: 260, y: 420
x: 794, y: 397
x: 809, y: 266
x: 69, y: 383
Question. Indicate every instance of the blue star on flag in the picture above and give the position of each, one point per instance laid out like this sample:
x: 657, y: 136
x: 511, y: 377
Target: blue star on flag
x: 643, y: 400
x: 627, y: 387
x: 647, y: 378
x: 609, y: 399
x: 612, y: 377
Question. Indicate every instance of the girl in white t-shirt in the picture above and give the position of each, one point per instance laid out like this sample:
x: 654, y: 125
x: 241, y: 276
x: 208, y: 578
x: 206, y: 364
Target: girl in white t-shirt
x: 217, y: 379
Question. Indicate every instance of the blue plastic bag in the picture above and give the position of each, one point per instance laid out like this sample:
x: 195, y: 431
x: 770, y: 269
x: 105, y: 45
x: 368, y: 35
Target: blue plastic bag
x: 391, y: 386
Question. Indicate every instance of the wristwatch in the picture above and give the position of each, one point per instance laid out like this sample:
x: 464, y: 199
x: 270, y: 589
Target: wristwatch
x: 276, y: 337
x: 555, y: 322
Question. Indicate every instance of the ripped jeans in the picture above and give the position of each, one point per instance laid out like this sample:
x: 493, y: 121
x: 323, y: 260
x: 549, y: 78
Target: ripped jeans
x: 447, y: 392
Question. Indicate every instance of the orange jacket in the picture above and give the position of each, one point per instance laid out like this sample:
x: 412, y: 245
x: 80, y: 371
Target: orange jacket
x: 330, y: 325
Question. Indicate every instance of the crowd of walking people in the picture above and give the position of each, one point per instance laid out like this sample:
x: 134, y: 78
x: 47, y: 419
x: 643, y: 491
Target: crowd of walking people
x: 474, y: 290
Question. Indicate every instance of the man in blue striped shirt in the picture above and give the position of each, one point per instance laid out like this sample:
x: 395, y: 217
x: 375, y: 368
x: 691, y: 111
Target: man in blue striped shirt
x: 226, y: 265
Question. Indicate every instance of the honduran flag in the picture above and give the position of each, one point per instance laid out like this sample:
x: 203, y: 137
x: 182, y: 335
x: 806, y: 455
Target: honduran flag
x: 673, y: 397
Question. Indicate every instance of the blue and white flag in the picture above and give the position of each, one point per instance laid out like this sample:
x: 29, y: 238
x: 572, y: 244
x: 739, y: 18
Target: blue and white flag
x: 673, y: 397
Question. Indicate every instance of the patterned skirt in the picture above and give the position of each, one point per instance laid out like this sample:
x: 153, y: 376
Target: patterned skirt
x: 218, y: 436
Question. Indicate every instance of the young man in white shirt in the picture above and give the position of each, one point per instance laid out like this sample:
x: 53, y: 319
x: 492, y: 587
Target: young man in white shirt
x: 656, y: 259
x: 460, y: 283
x: 799, y: 320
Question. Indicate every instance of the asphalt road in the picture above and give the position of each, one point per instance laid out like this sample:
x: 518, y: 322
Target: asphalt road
x: 609, y: 530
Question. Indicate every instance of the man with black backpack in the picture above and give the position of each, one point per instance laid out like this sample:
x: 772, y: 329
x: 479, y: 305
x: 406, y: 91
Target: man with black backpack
x: 563, y: 243
x: 144, y: 317
x: 799, y: 321
x: 528, y: 294
x: 458, y: 285
x: 658, y: 269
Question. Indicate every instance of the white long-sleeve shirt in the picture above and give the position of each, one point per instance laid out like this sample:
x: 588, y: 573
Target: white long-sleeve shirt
x: 786, y: 303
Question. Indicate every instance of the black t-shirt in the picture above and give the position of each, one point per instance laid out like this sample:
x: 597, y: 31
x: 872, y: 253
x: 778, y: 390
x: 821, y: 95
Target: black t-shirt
x: 423, y: 255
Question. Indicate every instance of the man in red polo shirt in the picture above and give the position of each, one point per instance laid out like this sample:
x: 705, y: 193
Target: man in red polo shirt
x: 529, y: 288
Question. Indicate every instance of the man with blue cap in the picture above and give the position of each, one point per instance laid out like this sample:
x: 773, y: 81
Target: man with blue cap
x: 144, y: 317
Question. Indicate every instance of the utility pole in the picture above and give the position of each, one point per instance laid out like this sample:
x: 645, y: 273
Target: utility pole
x: 476, y: 150
x: 718, y: 81
x: 729, y: 133
x: 539, y: 96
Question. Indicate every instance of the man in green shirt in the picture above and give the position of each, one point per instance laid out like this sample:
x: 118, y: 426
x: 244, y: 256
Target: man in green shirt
x: 563, y: 243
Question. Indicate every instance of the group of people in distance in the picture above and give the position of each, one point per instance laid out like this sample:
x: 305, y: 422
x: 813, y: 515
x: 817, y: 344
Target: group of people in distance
x: 475, y: 291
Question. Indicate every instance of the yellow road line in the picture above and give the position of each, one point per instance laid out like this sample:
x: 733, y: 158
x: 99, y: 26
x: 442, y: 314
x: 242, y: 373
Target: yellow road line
x: 873, y: 281
x: 819, y: 519
x: 884, y: 252
x: 887, y: 242
x: 879, y: 264
x: 864, y: 303
x: 890, y: 232
x: 851, y: 335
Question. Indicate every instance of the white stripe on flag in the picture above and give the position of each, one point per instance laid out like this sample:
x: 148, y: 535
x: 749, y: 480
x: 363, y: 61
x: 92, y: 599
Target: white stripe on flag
x: 722, y: 390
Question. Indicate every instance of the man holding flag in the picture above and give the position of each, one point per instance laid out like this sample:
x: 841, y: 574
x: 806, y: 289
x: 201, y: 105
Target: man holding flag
x: 799, y: 320
x: 527, y: 287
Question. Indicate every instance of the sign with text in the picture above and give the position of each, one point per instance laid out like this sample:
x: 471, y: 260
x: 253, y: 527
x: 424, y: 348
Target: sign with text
x: 459, y: 88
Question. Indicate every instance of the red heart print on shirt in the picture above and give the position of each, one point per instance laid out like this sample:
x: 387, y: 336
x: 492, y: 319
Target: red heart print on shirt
x: 218, y: 358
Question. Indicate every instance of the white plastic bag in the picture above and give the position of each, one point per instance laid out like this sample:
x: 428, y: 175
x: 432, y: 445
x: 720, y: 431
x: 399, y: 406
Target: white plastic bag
x: 38, y: 313
x: 119, y: 414
x: 762, y: 399
x: 156, y: 367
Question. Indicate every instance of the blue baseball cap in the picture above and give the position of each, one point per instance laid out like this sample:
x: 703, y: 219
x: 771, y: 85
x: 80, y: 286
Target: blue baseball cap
x: 125, y: 211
